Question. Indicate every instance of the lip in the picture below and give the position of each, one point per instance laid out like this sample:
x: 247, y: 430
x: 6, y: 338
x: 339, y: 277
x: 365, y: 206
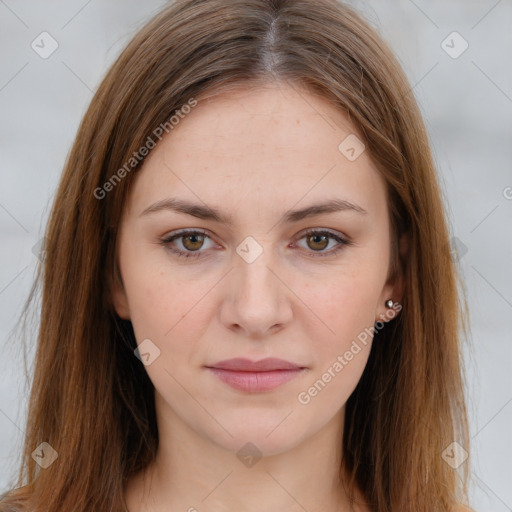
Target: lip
x: 263, y: 365
x: 255, y: 376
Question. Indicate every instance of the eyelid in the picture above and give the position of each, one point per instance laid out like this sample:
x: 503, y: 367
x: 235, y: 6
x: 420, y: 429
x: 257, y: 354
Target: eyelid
x: 334, y: 234
x: 167, y: 239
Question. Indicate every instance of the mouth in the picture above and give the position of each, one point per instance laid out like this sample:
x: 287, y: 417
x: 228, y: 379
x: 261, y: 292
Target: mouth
x: 255, y: 376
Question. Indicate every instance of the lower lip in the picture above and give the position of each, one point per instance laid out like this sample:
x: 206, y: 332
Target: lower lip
x: 255, y: 382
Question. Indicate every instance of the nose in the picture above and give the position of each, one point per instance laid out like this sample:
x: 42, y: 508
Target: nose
x: 256, y: 300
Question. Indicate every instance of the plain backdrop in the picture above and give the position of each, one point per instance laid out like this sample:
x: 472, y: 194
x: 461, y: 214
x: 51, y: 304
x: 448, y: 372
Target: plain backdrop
x: 463, y: 83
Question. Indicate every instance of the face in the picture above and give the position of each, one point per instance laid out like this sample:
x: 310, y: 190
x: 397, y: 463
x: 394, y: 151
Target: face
x: 255, y: 281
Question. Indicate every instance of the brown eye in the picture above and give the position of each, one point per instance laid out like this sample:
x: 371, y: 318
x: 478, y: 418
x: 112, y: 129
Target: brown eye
x: 317, y: 242
x: 193, y: 242
x: 186, y: 244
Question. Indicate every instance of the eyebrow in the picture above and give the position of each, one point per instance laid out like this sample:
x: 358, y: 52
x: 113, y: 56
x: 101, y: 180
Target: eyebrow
x: 208, y: 213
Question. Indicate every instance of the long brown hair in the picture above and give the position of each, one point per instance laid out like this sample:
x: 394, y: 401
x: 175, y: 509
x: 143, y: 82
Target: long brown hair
x: 92, y: 401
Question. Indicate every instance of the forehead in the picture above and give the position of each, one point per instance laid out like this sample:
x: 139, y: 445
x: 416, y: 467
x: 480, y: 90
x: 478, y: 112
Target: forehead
x: 251, y: 146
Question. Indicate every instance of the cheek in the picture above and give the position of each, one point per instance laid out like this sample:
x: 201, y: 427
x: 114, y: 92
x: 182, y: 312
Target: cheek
x: 345, y: 314
x: 158, y: 300
x: 343, y: 303
x: 172, y: 308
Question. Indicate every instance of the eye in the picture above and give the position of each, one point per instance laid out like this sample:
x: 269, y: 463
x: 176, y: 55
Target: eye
x: 318, y: 240
x: 192, y: 241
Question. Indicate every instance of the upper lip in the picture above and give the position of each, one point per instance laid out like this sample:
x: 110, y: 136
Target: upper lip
x: 246, y: 365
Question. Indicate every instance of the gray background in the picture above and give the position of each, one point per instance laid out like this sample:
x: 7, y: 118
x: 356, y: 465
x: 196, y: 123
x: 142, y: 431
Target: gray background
x: 467, y: 105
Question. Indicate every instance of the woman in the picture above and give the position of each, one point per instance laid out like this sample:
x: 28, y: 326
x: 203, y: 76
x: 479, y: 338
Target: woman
x: 249, y: 300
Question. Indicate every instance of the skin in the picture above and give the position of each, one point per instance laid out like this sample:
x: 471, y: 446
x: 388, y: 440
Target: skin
x: 253, y: 154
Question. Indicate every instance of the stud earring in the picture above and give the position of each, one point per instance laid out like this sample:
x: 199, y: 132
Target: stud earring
x: 389, y: 303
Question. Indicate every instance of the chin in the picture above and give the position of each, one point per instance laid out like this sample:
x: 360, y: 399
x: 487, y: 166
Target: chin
x: 262, y: 436
x: 256, y: 445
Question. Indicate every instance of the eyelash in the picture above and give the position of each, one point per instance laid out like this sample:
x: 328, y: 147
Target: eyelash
x: 197, y: 254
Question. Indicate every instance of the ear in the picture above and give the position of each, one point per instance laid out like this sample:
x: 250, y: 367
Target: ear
x: 119, y: 298
x: 395, y: 285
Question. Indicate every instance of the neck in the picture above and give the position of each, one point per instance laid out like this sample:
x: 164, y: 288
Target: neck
x: 192, y: 473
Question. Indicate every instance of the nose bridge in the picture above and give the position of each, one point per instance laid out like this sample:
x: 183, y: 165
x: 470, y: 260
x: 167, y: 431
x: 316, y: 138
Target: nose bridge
x: 255, y: 280
x: 259, y: 301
